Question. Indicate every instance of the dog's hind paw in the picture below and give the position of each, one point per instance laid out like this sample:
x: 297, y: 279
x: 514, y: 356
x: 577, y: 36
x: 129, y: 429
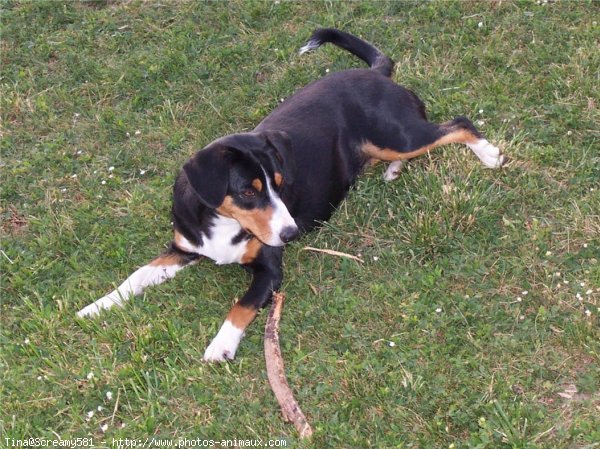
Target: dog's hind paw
x: 490, y: 155
x: 393, y: 171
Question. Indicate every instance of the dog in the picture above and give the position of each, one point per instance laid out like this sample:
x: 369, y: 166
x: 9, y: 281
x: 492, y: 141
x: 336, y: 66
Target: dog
x: 244, y: 196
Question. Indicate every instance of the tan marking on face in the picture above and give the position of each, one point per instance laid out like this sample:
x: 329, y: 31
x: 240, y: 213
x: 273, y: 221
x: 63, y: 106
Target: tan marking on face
x: 387, y: 154
x: 252, y: 249
x: 241, y: 316
x: 166, y: 260
x: 257, y: 184
x: 257, y: 221
x: 278, y: 179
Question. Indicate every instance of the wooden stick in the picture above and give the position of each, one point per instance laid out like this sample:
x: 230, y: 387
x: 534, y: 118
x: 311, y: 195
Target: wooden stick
x: 332, y: 252
x: 276, y: 370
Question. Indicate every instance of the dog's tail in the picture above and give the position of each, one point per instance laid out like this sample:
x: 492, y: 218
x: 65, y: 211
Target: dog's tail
x: 365, y: 51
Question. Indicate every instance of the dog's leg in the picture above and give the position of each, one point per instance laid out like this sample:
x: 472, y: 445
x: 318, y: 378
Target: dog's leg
x: 429, y: 136
x: 156, y: 272
x: 393, y: 170
x: 266, y: 278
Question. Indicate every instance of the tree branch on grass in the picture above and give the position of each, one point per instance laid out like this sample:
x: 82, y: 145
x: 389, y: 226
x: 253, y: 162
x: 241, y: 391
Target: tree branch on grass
x: 276, y: 370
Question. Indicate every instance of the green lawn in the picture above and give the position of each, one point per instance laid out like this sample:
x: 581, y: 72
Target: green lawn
x: 474, y: 321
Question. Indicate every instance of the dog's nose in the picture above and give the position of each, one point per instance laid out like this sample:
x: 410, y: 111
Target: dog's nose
x: 289, y: 233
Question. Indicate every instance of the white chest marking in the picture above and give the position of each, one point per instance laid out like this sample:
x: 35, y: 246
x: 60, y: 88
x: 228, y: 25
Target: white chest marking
x: 219, y: 247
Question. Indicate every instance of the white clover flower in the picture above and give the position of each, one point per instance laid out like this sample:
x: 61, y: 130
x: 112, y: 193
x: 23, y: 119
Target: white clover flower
x: 375, y: 258
x: 111, y: 168
x: 142, y: 172
x: 480, y: 25
x: 26, y: 341
x: 104, y: 428
x: 524, y: 292
x: 89, y: 415
x: 103, y: 182
x: 137, y: 132
x: 438, y: 310
x: 588, y: 312
x: 109, y: 395
x: 391, y: 344
x: 90, y: 375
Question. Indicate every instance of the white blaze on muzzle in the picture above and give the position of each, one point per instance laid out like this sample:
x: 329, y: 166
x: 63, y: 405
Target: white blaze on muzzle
x: 281, y: 222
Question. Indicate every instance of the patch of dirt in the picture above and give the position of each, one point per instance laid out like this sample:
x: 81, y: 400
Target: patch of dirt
x: 15, y: 223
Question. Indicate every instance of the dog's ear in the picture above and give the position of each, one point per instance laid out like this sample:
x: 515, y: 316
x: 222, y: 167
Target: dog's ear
x: 208, y: 174
x: 281, y: 142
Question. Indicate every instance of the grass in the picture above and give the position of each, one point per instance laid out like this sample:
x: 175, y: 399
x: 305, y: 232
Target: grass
x: 431, y: 343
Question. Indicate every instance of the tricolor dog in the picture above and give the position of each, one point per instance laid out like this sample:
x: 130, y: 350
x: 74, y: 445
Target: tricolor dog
x: 244, y: 196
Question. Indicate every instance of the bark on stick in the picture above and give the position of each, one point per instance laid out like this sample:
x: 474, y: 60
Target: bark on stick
x: 276, y: 370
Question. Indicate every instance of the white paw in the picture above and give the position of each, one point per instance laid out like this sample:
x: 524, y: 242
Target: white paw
x: 219, y: 351
x: 225, y: 344
x: 490, y: 155
x: 393, y: 171
x: 89, y: 311
x: 96, y: 307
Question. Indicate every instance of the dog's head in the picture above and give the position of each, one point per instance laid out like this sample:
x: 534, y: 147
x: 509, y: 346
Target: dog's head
x: 242, y: 176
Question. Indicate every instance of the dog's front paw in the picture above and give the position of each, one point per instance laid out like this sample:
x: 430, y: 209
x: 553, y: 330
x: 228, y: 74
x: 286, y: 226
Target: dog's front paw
x: 91, y: 310
x: 225, y: 344
x: 96, y: 307
x: 219, y: 351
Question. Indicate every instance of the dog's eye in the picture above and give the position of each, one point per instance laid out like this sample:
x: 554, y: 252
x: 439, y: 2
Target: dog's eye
x: 248, y: 193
